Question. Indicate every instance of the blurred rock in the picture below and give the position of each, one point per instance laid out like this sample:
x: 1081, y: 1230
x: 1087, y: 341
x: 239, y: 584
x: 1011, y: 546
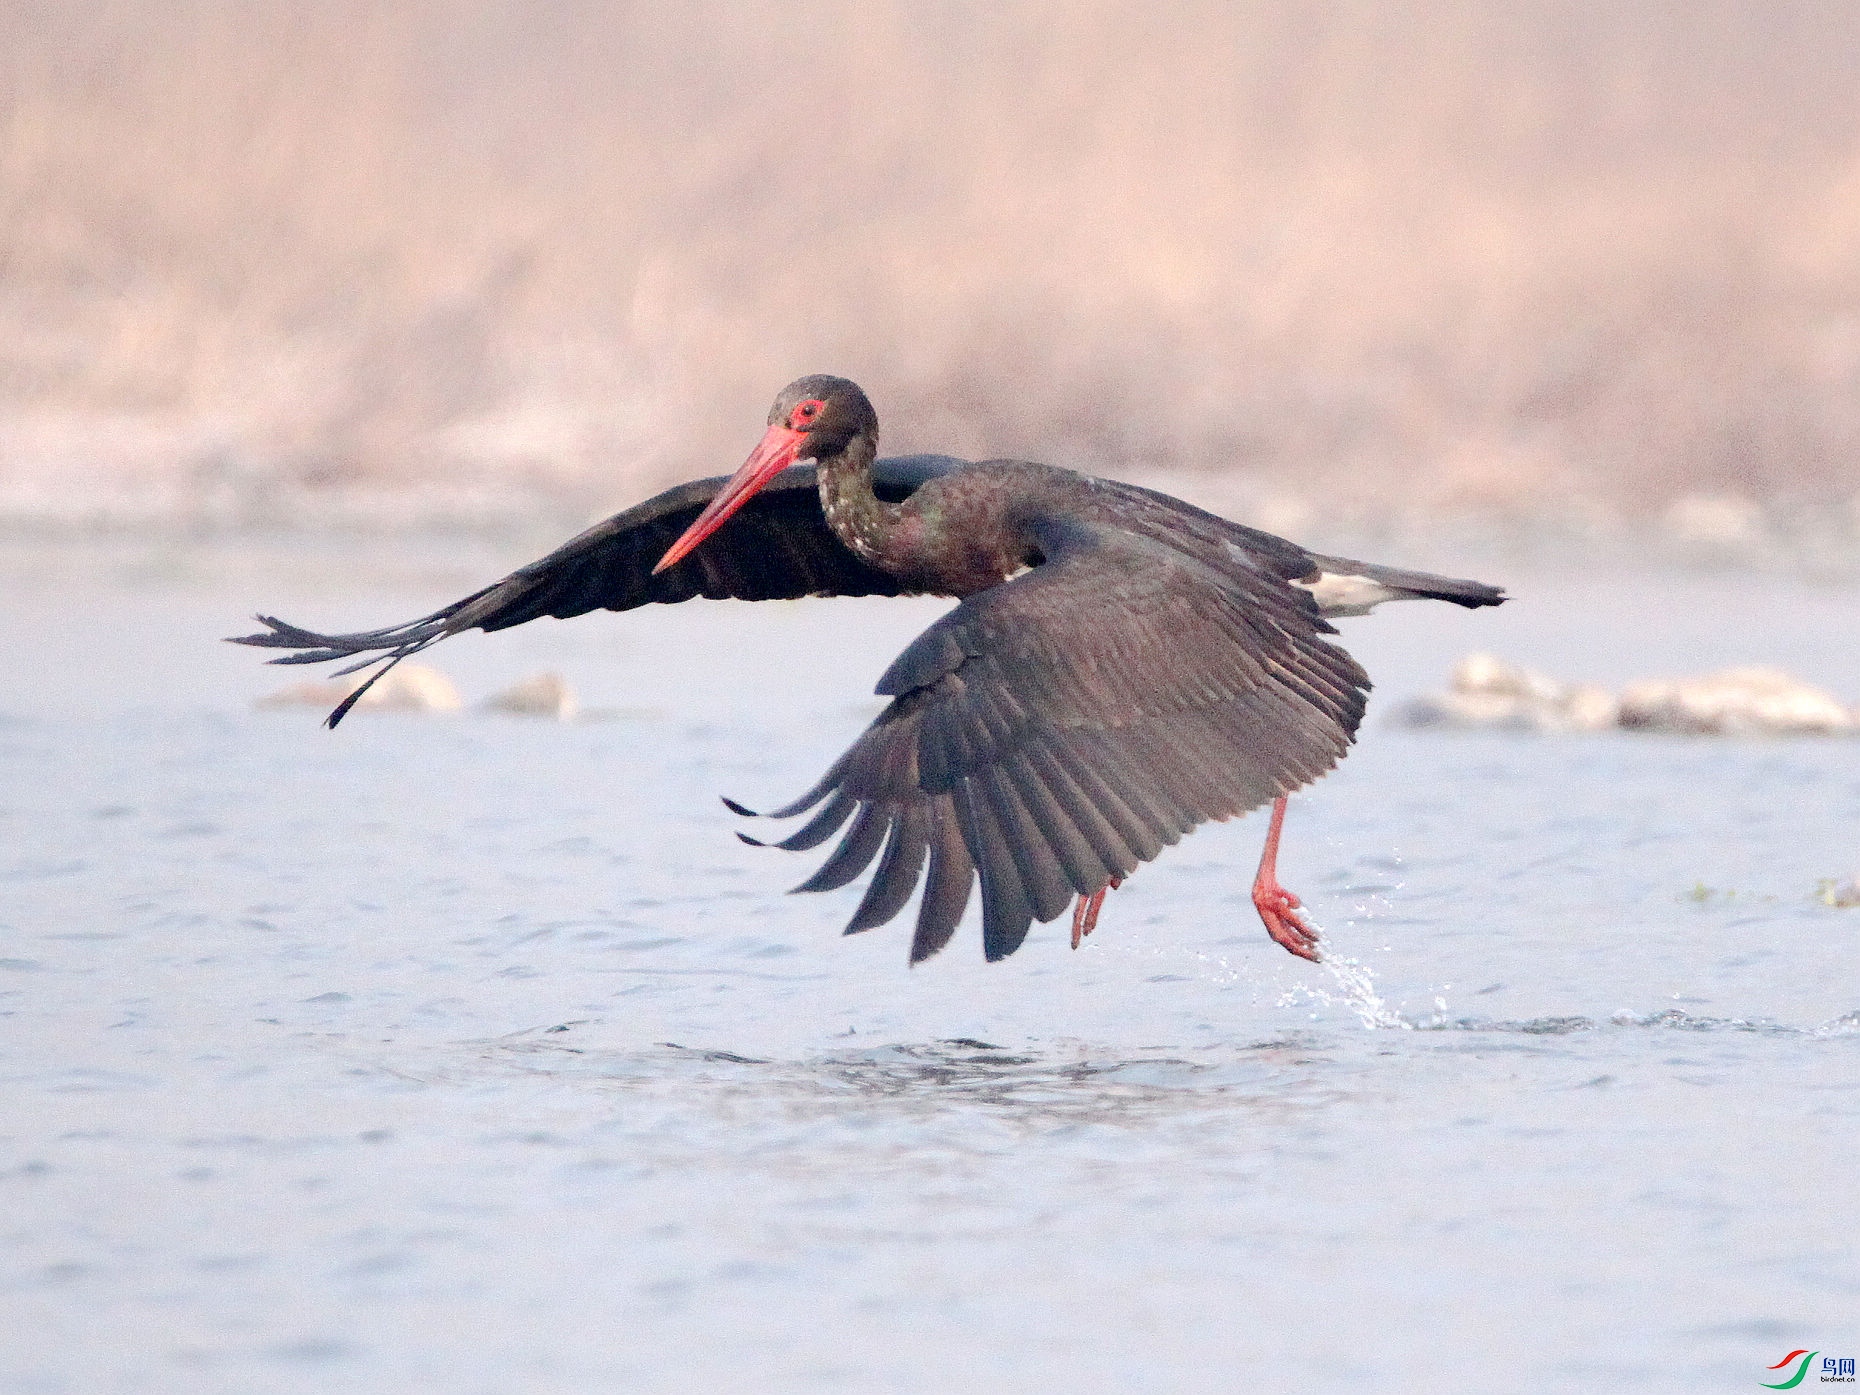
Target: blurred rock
x: 1488, y: 693
x: 1736, y: 702
x: 404, y: 688
x: 542, y: 695
x: 1842, y: 895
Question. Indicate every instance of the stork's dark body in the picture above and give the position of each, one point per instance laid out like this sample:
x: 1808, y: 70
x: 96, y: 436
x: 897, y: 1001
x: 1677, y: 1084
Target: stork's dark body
x: 1122, y: 666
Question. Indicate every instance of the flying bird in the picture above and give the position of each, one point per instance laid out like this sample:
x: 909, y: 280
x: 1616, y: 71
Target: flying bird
x: 1121, y: 667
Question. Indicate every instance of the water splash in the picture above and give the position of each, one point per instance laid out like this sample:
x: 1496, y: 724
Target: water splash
x: 1357, y: 984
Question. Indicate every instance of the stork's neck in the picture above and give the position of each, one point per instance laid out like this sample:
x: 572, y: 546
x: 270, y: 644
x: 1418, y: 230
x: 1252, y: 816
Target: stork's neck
x: 857, y: 516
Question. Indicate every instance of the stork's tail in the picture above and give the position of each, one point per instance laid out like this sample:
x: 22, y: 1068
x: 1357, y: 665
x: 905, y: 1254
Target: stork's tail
x: 1341, y: 586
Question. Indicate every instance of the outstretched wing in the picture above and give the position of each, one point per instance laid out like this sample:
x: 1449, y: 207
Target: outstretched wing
x: 1053, y: 733
x: 777, y: 547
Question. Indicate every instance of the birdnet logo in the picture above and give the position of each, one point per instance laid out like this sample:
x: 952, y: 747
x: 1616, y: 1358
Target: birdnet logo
x: 1835, y: 1370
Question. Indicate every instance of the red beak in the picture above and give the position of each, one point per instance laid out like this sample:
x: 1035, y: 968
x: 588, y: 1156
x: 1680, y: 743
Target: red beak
x: 776, y: 453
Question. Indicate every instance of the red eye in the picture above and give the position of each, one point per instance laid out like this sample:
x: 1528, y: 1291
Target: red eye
x: 807, y: 411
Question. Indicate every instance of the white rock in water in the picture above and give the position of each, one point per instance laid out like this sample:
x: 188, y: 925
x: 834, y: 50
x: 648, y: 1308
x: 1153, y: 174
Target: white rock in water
x: 1735, y: 702
x: 1489, y: 675
x: 543, y: 695
x: 404, y: 688
x: 1841, y: 895
x: 1589, y: 708
x: 1486, y: 692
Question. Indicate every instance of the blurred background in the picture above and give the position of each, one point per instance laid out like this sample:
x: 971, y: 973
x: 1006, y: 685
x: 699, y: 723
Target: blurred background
x: 1566, y: 269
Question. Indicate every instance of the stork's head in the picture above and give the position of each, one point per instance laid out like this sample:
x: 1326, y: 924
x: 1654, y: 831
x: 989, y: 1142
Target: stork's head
x: 814, y: 418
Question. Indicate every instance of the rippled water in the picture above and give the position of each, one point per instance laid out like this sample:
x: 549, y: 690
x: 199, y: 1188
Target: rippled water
x: 474, y: 1054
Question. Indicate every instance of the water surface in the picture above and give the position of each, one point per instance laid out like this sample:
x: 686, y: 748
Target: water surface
x: 474, y: 1054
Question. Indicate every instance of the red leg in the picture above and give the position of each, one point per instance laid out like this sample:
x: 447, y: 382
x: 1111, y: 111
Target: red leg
x: 1278, y: 908
x: 1085, y: 914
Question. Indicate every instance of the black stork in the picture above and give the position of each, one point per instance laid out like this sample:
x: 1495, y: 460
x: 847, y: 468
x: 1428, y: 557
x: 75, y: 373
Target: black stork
x: 1122, y: 666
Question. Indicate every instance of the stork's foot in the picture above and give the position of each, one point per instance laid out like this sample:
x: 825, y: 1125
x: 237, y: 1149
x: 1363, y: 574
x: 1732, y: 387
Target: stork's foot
x: 1085, y: 913
x: 1277, y: 906
x: 1280, y: 910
